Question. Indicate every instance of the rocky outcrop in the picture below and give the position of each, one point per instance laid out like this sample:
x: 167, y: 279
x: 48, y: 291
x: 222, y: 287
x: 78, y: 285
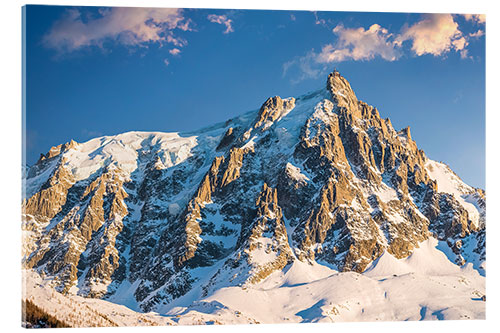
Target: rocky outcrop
x: 342, y: 94
x: 272, y: 109
x: 48, y: 201
x: 228, y: 138
x: 57, y: 150
x: 87, y: 233
x: 269, y: 235
x: 233, y: 166
x: 191, y: 235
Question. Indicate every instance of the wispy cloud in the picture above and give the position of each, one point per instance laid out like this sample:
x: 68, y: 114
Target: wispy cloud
x: 318, y: 21
x: 91, y: 133
x: 222, y: 19
x: 305, y: 67
x: 126, y: 26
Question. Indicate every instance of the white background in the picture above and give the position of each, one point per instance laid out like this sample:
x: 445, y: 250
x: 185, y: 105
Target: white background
x: 10, y: 156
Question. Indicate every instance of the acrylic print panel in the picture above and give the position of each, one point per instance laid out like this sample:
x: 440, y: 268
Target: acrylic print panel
x: 203, y: 166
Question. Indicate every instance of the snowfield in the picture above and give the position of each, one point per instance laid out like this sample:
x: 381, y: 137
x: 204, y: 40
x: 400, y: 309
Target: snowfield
x: 424, y: 286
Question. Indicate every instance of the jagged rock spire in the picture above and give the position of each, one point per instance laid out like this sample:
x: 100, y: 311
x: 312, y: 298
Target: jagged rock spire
x: 342, y: 93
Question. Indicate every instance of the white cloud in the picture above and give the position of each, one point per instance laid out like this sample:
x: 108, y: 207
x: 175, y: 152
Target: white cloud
x: 166, y: 62
x: 352, y: 44
x: 460, y: 43
x: 174, y: 51
x: 436, y: 34
x: 359, y: 44
x: 477, y: 34
x: 479, y: 18
x: 177, y: 41
x: 127, y: 26
x: 222, y: 19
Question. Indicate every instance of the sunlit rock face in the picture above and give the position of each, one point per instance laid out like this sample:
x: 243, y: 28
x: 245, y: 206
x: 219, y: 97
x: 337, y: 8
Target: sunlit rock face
x: 316, y: 178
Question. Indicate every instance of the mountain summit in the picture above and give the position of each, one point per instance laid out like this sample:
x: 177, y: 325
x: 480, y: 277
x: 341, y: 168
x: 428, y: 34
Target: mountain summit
x: 314, y: 183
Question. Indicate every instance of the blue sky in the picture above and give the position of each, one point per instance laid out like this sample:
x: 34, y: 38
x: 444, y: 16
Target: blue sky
x: 102, y: 71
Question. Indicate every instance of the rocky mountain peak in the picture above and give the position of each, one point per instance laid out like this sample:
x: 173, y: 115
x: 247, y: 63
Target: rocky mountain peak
x: 57, y: 150
x: 342, y: 93
x: 321, y: 177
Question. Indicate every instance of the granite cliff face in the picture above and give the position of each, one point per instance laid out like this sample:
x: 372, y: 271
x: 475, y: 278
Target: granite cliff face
x: 317, y: 178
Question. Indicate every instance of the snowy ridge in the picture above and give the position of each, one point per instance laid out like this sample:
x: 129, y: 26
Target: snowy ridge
x: 123, y: 150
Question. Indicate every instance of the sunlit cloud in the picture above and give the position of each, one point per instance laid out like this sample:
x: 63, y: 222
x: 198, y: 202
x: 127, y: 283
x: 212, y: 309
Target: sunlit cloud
x: 436, y: 34
x: 460, y: 43
x: 479, y: 18
x: 222, y: 19
x: 433, y: 34
x: 177, y: 41
x: 174, y: 51
x: 359, y: 44
x: 477, y: 34
x: 126, y: 26
x: 352, y: 44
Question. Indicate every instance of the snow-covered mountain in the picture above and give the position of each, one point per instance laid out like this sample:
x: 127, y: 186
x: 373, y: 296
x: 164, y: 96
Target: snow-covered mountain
x: 313, y: 204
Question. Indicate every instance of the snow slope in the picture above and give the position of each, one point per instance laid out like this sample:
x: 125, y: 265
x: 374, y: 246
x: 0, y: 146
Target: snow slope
x: 449, y: 182
x: 84, y: 312
x: 424, y: 286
